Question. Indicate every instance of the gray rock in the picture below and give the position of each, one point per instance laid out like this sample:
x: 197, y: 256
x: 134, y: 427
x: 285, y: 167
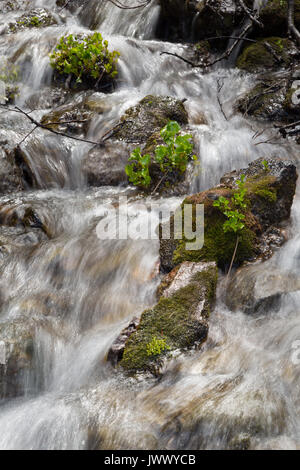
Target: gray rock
x: 258, y: 288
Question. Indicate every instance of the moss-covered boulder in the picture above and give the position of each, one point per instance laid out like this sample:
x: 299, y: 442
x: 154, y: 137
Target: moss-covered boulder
x: 37, y: 18
x: 275, y: 97
x: 274, y: 17
x: 179, y: 320
x: 140, y: 126
x: 270, y: 188
x: 269, y: 53
x: 150, y: 115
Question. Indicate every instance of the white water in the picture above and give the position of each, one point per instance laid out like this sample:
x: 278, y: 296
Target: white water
x: 243, y: 381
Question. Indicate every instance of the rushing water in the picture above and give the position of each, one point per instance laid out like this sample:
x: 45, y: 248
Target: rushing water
x: 242, y: 383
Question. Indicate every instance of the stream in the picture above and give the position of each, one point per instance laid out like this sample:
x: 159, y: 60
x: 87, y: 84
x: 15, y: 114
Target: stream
x: 242, y: 382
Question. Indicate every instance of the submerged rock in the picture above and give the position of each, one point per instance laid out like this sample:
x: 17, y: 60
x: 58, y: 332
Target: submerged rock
x: 179, y: 320
x: 257, y: 289
x: 17, y: 356
x: 270, y: 188
x: 10, y: 174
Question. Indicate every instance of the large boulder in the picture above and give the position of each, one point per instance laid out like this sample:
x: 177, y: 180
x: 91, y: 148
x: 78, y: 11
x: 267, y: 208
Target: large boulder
x: 274, y: 17
x: 270, y: 188
x: 270, y: 53
x: 179, y: 320
x: 139, y: 126
x: 150, y: 115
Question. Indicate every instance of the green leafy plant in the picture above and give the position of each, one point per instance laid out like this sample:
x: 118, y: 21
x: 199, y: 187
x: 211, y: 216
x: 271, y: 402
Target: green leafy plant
x: 138, y: 170
x: 174, y: 154
x: 84, y: 57
x: 156, y: 346
x: 9, y: 73
x: 265, y: 165
x: 233, y: 210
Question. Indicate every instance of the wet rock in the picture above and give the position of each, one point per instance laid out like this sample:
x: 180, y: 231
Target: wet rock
x: 140, y: 125
x: 116, y: 350
x: 178, y: 321
x: 258, y: 289
x: 72, y: 6
x: 10, y: 174
x: 268, y: 54
x: 37, y: 18
x: 150, y: 115
x: 105, y: 166
x: 14, y: 239
x: 274, y: 17
x: 49, y: 97
x: 12, y: 5
x: 74, y: 117
x: 269, y: 196
x: 17, y: 356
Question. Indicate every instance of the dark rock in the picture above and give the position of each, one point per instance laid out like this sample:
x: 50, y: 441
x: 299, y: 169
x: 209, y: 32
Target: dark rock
x: 105, y: 166
x: 198, y: 19
x: 274, y: 18
x: 10, y: 174
x: 116, y: 350
x: 269, y: 196
x: 178, y: 321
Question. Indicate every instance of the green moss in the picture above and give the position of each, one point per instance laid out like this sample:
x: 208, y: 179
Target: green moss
x: 174, y: 320
x: 256, y: 56
x: 218, y: 246
x: 262, y: 186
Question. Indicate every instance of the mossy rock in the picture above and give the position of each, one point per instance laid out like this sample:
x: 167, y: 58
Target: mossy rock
x: 257, y: 57
x: 179, y: 319
x: 274, y: 17
x: 150, y: 115
x: 269, y: 197
x: 37, y: 18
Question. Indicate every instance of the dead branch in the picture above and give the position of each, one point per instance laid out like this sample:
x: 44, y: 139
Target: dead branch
x: 292, y: 30
x: 252, y: 15
x: 181, y: 58
x: 37, y: 124
x: 220, y: 86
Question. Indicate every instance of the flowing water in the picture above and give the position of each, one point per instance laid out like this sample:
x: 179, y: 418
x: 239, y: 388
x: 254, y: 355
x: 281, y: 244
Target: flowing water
x: 242, y: 385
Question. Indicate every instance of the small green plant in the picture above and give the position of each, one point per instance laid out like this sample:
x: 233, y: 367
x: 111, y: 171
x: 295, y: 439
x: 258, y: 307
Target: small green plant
x: 84, y: 57
x: 173, y: 155
x: 265, y: 165
x: 9, y: 73
x: 157, y: 346
x: 233, y: 210
x: 35, y: 21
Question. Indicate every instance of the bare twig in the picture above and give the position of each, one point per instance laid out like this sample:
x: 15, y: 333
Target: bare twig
x: 232, y: 259
x: 181, y: 58
x: 292, y: 30
x: 220, y: 86
x: 252, y: 15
